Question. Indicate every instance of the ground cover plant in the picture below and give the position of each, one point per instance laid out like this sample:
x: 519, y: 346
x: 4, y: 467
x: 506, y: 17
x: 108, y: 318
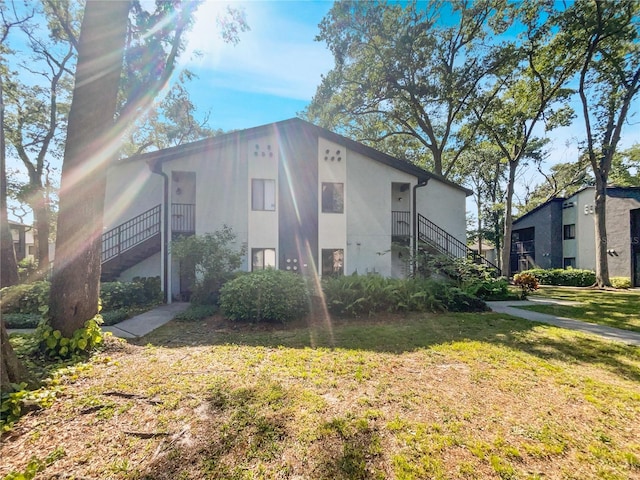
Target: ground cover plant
x: 619, y: 309
x: 461, y: 396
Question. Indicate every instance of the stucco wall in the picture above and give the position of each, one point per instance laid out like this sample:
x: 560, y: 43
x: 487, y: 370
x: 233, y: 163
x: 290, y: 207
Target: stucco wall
x: 131, y: 190
x: 445, y: 206
x: 369, y: 201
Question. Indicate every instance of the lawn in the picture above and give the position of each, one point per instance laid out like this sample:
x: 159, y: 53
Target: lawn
x: 614, y: 308
x: 455, y: 396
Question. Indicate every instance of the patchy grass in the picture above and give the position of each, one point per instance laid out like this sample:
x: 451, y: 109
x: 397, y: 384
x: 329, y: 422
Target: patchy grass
x: 605, y: 307
x: 465, y: 396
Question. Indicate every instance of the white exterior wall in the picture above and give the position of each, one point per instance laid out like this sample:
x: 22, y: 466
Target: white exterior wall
x: 585, y: 230
x: 262, y: 158
x: 149, y: 267
x: 332, y: 227
x: 131, y: 189
x: 369, y: 204
x: 445, y: 206
x: 569, y: 217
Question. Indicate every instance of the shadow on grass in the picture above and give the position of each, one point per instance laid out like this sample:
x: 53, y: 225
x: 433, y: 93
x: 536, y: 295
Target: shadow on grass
x: 399, y: 334
x: 242, y: 427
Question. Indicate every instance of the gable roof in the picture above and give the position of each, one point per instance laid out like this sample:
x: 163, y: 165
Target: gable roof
x: 167, y: 154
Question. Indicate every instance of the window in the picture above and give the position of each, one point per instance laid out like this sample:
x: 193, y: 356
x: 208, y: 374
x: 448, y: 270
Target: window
x: 569, y: 262
x: 263, y: 194
x: 332, y: 197
x: 263, y: 258
x: 570, y: 231
x: 332, y: 261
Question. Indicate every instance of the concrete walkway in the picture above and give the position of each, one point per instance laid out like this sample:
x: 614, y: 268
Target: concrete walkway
x: 146, y: 322
x: 137, y: 326
x: 610, y: 333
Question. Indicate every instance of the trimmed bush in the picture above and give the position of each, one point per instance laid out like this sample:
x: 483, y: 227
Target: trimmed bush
x: 620, y: 282
x: 570, y: 277
x: 488, y: 289
x: 265, y: 295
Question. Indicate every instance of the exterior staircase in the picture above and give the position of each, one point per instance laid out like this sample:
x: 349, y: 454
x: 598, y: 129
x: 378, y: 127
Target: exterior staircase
x: 431, y: 235
x: 130, y: 243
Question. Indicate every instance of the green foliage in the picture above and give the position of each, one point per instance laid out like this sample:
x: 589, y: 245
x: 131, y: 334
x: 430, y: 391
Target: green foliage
x: 570, y: 277
x: 265, y: 295
x: 196, y: 312
x: 526, y: 282
x: 620, y: 282
x: 13, y: 401
x: 36, y: 466
x: 119, y: 298
x: 212, y: 261
x: 356, y: 296
x: 141, y: 291
x: 27, y: 269
x: 21, y: 320
x: 84, y: 339
x: 25, y: 298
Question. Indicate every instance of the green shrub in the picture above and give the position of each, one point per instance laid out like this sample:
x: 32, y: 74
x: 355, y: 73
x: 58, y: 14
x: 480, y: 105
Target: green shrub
x: 265, y: 295
x: 31, y: 297
x: 488, y: 288
x: 356, y: 296
x: 21, y: 320
x: 25, y: 298
x: 620, y: 282
x: 139, y: 292
x: 210, y: 260
x: 196, y: 312
x: 570, y: 277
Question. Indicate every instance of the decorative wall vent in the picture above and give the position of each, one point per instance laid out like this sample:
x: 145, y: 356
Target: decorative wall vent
x: 331, y: 156
x: 262, y: 151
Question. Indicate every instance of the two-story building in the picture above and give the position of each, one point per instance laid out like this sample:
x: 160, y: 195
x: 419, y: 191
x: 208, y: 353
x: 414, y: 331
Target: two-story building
x: 297, y: 196
x: 561, y: 233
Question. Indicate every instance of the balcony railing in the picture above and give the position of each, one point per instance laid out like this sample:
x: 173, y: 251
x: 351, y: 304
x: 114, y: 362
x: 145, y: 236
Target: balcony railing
x: 183, y: 218
x: 400, y: 224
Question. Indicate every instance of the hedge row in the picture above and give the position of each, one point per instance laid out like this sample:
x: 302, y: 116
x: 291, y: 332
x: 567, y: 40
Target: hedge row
x: 29, y: 298
x: 570, y: 277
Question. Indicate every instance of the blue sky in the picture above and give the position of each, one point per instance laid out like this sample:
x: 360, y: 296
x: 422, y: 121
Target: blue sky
x: 270, y: 75
x: 273, y: 72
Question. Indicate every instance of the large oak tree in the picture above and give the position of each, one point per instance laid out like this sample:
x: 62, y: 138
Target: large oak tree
x: 405, y: 74
x: 607, y: 35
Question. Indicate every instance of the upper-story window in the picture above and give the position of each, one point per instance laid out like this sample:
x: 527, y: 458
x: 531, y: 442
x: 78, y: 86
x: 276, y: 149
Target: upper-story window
x: 263, y: 194
x: 570, y: 231
x: 332, y: 197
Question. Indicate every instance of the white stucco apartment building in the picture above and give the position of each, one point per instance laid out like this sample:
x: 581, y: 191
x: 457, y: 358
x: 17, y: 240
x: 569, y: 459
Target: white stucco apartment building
x: 297, y: 196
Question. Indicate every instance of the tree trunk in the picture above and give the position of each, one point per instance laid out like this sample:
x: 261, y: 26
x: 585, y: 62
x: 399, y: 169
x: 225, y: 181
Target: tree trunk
x: 508, y: 220
x: 11, y: 369
x: 41, y: 217
x: 91, y: 145
x: 8, y: 264
x: 600, y: 211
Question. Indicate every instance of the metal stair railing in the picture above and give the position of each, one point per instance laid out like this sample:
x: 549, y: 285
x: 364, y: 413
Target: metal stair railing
x: 444, y: 242
x: 130, y: 233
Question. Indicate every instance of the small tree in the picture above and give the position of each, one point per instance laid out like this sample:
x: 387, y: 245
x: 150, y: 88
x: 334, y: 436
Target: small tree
x: 212, y: 260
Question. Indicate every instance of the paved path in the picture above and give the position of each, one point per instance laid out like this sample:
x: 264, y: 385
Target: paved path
x: 137, y: 326
x: 610, y: 333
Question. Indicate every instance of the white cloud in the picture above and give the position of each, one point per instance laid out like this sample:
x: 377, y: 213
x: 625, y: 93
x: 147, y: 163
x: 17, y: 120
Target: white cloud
x: 278, y: 56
